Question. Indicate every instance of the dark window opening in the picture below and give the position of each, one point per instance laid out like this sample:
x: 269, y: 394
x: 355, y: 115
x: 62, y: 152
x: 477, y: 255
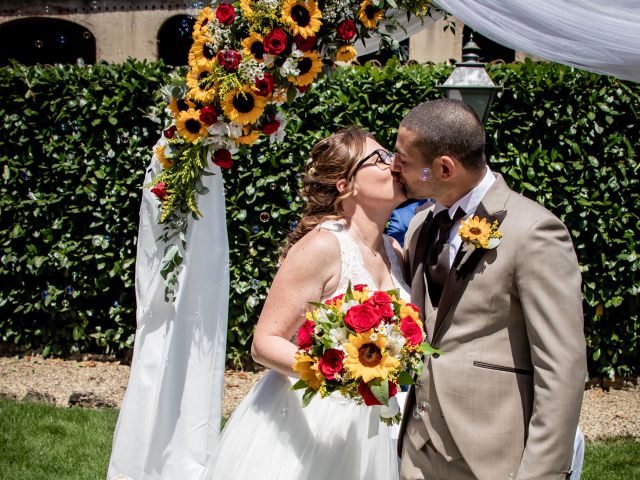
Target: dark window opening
x: 174, y: 40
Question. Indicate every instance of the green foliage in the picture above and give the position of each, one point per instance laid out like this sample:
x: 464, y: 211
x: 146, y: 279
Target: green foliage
x: 570, y: 140
x: 565, y: 138
x: 74, y: 143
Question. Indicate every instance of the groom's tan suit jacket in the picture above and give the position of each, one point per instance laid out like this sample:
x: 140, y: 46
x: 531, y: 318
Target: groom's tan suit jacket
x: 506, y: 393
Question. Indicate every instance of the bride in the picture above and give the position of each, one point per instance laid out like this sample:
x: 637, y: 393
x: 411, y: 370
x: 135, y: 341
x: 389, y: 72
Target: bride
x: 350, y: 194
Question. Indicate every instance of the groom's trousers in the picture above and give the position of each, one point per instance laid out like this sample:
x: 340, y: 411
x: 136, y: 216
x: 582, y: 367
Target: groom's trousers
x: 428, y: 464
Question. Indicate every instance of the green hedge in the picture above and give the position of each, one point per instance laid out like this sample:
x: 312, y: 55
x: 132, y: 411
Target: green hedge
x: 70, y: 194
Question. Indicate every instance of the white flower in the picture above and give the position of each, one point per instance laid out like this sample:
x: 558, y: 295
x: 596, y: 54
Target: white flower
x: 347, y: 305
x: 395, y: 340
x: 338, y: 337
x: 290, y: 68
x: 278, y: 135
x: 249, y: 70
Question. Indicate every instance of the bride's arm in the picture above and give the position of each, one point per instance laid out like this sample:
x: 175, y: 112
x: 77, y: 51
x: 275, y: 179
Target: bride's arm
x: 311, y: 267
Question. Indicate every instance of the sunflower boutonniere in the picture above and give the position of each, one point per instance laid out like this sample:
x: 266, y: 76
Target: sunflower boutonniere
x: 476, y: 233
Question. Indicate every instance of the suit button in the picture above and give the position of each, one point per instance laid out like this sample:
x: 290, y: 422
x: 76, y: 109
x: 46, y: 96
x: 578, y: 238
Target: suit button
x: 436, y: 355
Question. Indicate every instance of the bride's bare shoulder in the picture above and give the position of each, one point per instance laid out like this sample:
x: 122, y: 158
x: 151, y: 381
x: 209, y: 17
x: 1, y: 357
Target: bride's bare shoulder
x: 317, y: 245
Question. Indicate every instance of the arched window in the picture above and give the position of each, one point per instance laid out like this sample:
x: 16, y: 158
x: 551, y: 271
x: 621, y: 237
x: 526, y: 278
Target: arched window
x: 46, y: 40
x: 174, y: 40
x: 489, y: 50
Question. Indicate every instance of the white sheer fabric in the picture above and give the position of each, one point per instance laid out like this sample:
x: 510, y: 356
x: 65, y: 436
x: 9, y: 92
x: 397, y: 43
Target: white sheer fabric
x: 602, y: 37
x: 169, y: 422
x: 406, y: 29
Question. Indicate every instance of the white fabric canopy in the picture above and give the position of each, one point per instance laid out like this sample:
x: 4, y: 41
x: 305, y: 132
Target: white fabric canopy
x: 169, y: 422
x: 595, y: 35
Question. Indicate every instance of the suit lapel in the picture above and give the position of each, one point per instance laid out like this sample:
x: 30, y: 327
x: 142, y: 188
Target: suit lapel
x: 459, y: 278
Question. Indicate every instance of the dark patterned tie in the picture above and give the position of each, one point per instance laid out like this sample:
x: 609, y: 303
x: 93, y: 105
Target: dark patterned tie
x: 438, y: 265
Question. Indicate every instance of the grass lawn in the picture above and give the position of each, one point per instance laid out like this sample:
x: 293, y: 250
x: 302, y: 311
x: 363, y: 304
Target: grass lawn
x: 43, y: 442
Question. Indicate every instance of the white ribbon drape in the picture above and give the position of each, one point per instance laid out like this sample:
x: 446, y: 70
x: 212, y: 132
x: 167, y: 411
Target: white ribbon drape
x: 595, y: 35
x: 169, y: 422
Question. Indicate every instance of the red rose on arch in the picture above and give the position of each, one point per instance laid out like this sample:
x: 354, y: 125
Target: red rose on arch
x: 160, y: 190
x: 265, y: 84
x: 330, y: 363
x: 305, y: 44
x: 305, y: 335
x: 271, y: 127
x: 368, y: 396
x: 334, y: 300
x: 222, y: 158
x: 170, y: 132
x: 362, y: 318
x: 411, y: 331
x: 225, y: 13
x: 303, y: 88
x: 229, y: 59
x: 346, y: 30
x: 275, y: 42
x: 208, y: 115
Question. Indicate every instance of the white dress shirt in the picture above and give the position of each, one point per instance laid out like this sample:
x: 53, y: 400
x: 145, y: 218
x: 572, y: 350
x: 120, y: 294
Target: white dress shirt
x: 469, y: 203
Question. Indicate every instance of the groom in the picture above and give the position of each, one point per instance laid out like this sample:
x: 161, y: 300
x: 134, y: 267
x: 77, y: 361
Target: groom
x: 503, y: 400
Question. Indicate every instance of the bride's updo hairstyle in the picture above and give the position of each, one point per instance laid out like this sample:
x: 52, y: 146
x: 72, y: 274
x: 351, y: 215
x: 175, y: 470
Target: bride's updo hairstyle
x: 331, y: 159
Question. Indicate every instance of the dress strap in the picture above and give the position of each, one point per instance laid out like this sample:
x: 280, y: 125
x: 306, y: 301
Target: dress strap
x: 351, y: 259
x: 396, y: 270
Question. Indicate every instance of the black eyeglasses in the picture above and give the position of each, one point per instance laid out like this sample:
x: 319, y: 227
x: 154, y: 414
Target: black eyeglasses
x: 383, y: 162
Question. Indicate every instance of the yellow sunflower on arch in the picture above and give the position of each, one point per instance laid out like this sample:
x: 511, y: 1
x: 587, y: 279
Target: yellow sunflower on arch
x: 249, y: 137
x: 369, y: 14
x: 243, y: 106
x: 302, y: 16
x: 309, y: 65
x: 253, y: 46
x: 346, y: 53
x: 205, y: 16
x: 189, y: 125
x: 201, y: 54
x: 178, y: 105
x: 367, y: 357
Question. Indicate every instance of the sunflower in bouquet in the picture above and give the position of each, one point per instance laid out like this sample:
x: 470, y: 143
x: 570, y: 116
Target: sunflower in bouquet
x: 363, y: 345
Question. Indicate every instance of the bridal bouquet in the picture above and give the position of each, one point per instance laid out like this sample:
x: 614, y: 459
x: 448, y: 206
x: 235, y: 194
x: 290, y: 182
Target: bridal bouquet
x: 362, y: 344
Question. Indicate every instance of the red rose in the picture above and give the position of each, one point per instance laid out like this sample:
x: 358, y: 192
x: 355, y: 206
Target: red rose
x: 346, y: 30
x: 265, y: 85
x: 305, y: 44
x: 334, y: 300
x: 359, y: 287
x: 275, y: 42
x: 368, y: 396
x: 305, y: 335
x: 222, y: 158
x: 271, y: 126
x: 160, y: 190
x: 229, y: 59
x: 208, y: 115
x: 331, y: 363
x: 415, y: 309
x: 411, y: 331
x: 362, y: 318
x: 382, y: 300
x: 225, y: 13
x: 303, y: 88
x: 170, y: 132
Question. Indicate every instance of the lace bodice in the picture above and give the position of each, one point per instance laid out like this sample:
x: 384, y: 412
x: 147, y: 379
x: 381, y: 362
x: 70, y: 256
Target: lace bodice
x: 353, y: 266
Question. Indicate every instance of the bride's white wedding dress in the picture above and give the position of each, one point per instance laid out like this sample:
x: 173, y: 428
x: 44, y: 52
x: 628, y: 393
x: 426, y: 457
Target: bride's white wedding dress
x: 270, y: 435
